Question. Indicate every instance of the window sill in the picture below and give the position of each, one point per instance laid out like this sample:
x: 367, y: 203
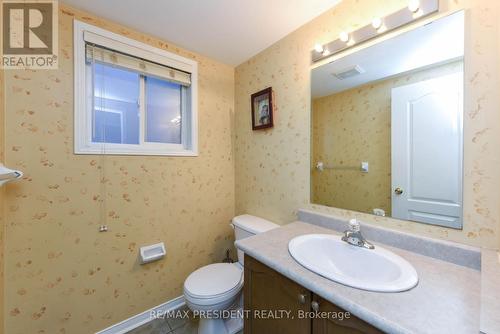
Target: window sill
x: 131, y: 150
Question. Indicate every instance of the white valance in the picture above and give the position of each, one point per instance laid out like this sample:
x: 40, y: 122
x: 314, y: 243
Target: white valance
x: 122, y: 55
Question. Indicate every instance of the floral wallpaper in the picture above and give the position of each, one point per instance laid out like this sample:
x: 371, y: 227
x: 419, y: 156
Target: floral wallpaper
x: 348, y: 128
x: 354, y: 126
x: 61, y: 274
x: 2, y: 200
x: 273, y: 167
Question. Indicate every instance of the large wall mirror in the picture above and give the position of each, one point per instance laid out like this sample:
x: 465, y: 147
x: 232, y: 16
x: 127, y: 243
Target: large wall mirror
x: 387, y: 126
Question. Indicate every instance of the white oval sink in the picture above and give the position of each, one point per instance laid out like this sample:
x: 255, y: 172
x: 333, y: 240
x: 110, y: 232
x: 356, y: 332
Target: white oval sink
x: 368, y: 269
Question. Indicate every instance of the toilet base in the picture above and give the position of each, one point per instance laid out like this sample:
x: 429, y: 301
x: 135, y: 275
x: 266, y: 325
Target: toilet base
x: 220, y: 326
x: 212, y: 326
x: 224, y: 326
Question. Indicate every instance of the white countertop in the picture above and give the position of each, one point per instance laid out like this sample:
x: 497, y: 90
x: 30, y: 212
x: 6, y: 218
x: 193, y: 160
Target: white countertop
x: 447, y: 298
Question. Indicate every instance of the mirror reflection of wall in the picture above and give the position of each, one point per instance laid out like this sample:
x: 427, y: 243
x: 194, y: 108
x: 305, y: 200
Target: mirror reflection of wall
x: 395, y: 107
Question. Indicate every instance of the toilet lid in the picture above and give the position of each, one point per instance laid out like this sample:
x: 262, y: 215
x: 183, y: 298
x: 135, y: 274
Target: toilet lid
x: 212, y: 280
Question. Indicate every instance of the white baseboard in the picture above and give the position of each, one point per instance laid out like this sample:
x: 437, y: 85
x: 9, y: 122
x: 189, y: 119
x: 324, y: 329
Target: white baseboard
x: 144, y: 317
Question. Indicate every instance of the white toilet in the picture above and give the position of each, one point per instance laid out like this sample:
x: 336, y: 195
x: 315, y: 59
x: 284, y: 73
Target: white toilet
x: 216, y: 287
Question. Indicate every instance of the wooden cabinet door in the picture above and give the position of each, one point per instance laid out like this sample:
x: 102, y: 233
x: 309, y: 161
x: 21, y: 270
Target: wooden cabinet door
x: 338, y: 325
x: 267, y: 290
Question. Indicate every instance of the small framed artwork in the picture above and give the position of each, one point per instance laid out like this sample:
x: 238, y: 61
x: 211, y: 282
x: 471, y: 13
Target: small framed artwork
x: 262, y: 109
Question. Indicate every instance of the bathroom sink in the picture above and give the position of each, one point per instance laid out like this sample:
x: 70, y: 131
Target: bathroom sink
x: 368, y: 269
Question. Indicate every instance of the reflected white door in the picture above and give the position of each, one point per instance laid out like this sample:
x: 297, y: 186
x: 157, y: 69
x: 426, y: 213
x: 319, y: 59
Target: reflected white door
x: 427, y: 151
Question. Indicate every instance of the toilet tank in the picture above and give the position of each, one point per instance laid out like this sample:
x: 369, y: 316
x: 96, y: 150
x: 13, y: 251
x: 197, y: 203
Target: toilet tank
x: 247, y: 225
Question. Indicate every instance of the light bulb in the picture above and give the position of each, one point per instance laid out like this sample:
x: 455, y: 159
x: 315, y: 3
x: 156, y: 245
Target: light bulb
x: 319, y: 48
x: 344, y: 37
x: 414, y: 5
x: 377, y: 23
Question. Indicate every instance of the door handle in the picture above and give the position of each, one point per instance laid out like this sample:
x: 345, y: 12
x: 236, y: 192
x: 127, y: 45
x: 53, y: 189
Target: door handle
x: 398, y: 190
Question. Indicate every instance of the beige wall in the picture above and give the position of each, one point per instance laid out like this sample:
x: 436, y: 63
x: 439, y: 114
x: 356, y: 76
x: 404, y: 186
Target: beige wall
x: 2, y: 200
x: 354, y: 126
x: 62, y: 276
x: 273, y: 166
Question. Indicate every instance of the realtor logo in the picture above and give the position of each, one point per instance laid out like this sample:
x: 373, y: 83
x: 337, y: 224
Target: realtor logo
x: 29, y: 34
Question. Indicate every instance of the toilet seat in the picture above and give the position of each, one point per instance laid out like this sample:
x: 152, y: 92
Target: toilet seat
x: 213, y: 284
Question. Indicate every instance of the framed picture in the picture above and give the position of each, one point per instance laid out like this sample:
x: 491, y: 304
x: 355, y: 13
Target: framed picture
x: 262, y: 109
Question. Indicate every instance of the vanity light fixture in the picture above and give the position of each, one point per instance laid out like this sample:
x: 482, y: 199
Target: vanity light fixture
x: 377, y: 23
x: 414, y: 6
x: 344, y: 37
x: 413, y: 11
x: 319, y: 48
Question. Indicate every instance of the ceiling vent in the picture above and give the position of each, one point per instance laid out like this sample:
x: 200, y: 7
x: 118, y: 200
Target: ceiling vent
x: 349, y: 72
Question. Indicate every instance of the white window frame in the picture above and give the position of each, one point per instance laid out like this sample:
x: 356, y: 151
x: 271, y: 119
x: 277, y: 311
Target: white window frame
x: 83, y: 96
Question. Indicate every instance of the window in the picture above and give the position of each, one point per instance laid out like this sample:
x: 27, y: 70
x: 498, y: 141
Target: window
x: 131, y: 98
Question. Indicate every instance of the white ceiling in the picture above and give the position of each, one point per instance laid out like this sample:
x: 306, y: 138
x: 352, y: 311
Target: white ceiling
x: 230, y: 31
x: 435, y: 43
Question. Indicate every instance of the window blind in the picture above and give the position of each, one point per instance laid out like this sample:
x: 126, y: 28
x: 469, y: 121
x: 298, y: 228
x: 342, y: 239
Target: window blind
x: 107, y: 56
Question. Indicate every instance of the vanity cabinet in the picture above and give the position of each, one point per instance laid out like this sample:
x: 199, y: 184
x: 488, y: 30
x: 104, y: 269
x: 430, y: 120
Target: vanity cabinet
x: 351, y: 325
x: 278, y: 305
x: 267, y: 290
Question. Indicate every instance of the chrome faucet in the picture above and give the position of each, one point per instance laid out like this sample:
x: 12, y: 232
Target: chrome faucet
x: 354, y: 237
